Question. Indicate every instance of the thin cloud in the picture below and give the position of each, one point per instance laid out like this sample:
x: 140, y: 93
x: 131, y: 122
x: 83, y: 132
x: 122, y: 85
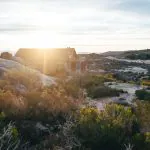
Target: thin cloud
x: 98, y: 22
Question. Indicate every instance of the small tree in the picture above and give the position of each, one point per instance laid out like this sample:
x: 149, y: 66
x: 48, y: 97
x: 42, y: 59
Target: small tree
x: 6, y: 55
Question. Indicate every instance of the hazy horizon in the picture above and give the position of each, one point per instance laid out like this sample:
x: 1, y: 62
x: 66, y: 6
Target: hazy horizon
x: 13, y: 51
x: 88, y: 25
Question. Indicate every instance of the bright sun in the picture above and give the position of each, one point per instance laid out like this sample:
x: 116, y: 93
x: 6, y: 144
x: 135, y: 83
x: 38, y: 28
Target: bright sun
x: 47, y: 33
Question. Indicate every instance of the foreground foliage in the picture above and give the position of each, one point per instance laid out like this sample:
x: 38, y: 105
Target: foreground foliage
x: 109, y: 129
x: 55, y: 118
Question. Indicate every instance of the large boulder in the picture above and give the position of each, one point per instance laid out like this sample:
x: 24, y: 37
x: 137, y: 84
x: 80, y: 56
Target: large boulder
x: 8, y: 65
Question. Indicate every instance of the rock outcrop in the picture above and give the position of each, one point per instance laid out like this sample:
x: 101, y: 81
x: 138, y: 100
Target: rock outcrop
x: 7, y: 65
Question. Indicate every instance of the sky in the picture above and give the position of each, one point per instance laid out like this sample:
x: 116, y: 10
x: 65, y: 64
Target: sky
x: 87, y: 25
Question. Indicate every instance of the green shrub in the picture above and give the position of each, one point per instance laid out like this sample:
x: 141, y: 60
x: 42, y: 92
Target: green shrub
x: 102, y: 91
x: 86, y: 81
x: 94, y: 85
x: 143, y: 95
x: 89, y: 81
x: 71, y: 88
x: 107, y: 130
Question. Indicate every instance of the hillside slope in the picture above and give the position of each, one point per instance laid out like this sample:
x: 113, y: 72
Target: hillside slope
x: 130, y: 54
x: 139, y: 54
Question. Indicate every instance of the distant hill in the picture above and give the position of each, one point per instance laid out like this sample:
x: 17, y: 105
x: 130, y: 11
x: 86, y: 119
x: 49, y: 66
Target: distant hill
x: 90, y: 56
x: 99, y: 55
x: 139, y: 54
x: 130, y: 54
x: 112, y: 53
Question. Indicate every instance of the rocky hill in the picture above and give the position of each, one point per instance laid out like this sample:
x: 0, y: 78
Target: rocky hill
x: 139, y: 54
x: 130, y: 54
x: 112, y: 53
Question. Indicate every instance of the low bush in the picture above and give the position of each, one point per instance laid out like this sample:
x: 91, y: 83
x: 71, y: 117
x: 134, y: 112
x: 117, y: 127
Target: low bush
x: 93, y: 84
x: 102, y: 91
x: 146, y: 82
x: 41, y: 105
x: 71, y: 88
x: 94, y: 80
x: 107, y: 130
x: 12, y: 104
x: 86, y: 81
x: 49, y: 104
x: 143, y: 95
x: 6, y: 55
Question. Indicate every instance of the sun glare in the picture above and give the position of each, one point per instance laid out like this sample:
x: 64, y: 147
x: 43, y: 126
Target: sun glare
x: 45, y: 39
x: 41, y: 40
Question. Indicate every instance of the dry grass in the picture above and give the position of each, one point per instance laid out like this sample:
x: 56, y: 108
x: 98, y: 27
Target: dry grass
x: 27, y: 78
x: 37, y: 104
x: 11, y: 104
x: 50, y: 101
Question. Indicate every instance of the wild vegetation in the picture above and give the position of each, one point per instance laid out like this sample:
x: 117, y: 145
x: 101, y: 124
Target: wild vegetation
x: 142, y: 56
x: 94, y: 85
x: 55, y: 117
x: 146, y: 82
x: 143, y: 95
